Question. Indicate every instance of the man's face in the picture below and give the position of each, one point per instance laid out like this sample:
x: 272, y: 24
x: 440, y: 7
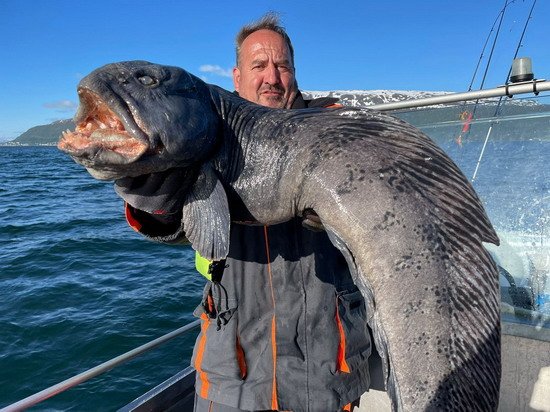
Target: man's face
x: 265, y: 74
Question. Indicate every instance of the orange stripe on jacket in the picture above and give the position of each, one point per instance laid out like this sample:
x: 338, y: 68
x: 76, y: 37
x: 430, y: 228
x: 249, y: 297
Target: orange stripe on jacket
x: 241, y: 360
x: 203, y: 376
x: 274, y: 402
x: 341, y: 364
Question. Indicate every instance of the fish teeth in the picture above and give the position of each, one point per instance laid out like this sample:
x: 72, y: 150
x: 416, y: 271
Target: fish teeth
x: 110, y: 138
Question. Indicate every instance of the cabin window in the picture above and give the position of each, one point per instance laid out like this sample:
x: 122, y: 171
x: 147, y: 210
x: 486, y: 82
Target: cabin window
x: 504, y: 150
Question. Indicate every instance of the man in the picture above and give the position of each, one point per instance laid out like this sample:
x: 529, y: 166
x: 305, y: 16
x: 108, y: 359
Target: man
x: 283, y: 327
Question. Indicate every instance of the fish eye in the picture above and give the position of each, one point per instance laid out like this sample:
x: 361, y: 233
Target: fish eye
x: 147, y: 80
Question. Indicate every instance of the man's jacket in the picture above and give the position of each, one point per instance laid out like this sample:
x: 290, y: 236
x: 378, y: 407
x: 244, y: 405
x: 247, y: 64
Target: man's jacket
x: 285, y: 327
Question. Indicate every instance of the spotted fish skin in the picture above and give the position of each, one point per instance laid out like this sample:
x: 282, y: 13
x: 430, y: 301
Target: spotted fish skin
x: 408, y: 222
x: 429, y: 282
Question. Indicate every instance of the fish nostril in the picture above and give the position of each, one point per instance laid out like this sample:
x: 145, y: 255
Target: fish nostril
x: 159, y: 148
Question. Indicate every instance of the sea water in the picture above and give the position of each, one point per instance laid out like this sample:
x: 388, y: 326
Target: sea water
x: 79, y: 287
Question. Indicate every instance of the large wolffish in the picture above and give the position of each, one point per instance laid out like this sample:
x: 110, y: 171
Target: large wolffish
x: 408, y: 222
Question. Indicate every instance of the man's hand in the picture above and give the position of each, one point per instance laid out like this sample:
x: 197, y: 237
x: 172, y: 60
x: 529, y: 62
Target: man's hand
x: 161, y: 193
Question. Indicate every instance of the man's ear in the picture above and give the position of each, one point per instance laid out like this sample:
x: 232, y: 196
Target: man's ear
x: 236, y: 78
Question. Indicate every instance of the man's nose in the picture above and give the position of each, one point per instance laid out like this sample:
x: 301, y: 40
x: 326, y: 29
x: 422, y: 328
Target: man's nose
x: 272, y: 75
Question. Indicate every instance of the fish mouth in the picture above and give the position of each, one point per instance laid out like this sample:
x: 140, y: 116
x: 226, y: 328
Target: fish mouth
x: 102, y: 136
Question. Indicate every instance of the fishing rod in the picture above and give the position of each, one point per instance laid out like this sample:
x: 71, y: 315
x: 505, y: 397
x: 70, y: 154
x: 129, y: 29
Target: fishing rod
x: 467, y: 118
x: 484, y: 47
x: 500, y: 103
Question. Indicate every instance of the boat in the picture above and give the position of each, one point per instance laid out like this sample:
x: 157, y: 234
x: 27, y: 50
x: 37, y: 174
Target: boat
x: 517, y: 113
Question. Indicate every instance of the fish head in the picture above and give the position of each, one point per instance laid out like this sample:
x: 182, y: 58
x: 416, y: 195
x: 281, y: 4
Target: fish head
x: 137, y: 118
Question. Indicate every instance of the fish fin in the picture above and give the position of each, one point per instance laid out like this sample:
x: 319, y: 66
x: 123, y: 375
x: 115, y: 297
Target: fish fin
x: 206, y: 218
x: 354, y: 270
x: 390, y: 381
x: 373, y: 320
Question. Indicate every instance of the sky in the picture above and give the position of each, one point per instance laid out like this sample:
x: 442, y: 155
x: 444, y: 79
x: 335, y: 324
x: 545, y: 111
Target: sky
x: 46, y: 47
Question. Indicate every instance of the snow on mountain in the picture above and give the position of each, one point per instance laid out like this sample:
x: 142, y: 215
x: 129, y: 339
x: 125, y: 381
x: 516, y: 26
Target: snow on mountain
x: 364, y: 98
x: 370, y: 97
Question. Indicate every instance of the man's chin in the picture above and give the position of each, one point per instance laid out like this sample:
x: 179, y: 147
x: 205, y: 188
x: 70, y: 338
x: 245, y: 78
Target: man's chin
x: 275, y: 102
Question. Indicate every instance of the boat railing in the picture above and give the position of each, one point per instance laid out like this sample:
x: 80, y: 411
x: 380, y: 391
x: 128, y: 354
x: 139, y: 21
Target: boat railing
x: 509, y: 90
x: 535, y: 86
x: 97, y: 370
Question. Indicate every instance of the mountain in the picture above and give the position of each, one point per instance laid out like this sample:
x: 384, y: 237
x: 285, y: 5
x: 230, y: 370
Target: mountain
x: 49, y: 134
x: 446, y: 120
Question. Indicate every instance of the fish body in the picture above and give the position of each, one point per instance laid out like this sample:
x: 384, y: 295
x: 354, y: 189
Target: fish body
x: 408, y: 222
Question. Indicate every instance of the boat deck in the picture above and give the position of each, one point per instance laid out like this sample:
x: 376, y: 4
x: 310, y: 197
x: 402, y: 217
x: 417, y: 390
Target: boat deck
x: 524, y: 385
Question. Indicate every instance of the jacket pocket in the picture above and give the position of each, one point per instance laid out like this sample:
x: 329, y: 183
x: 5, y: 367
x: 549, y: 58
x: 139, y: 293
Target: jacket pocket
x: 354, y: 346
x: 217, y: 352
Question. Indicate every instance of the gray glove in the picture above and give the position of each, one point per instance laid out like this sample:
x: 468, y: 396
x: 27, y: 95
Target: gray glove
x: 161, y: 193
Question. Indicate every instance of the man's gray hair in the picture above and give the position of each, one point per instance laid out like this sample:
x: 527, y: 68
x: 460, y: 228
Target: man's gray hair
x: 270, y: 21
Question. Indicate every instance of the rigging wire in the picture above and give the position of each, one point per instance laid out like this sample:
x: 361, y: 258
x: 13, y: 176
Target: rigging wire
x: 501, y: 100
